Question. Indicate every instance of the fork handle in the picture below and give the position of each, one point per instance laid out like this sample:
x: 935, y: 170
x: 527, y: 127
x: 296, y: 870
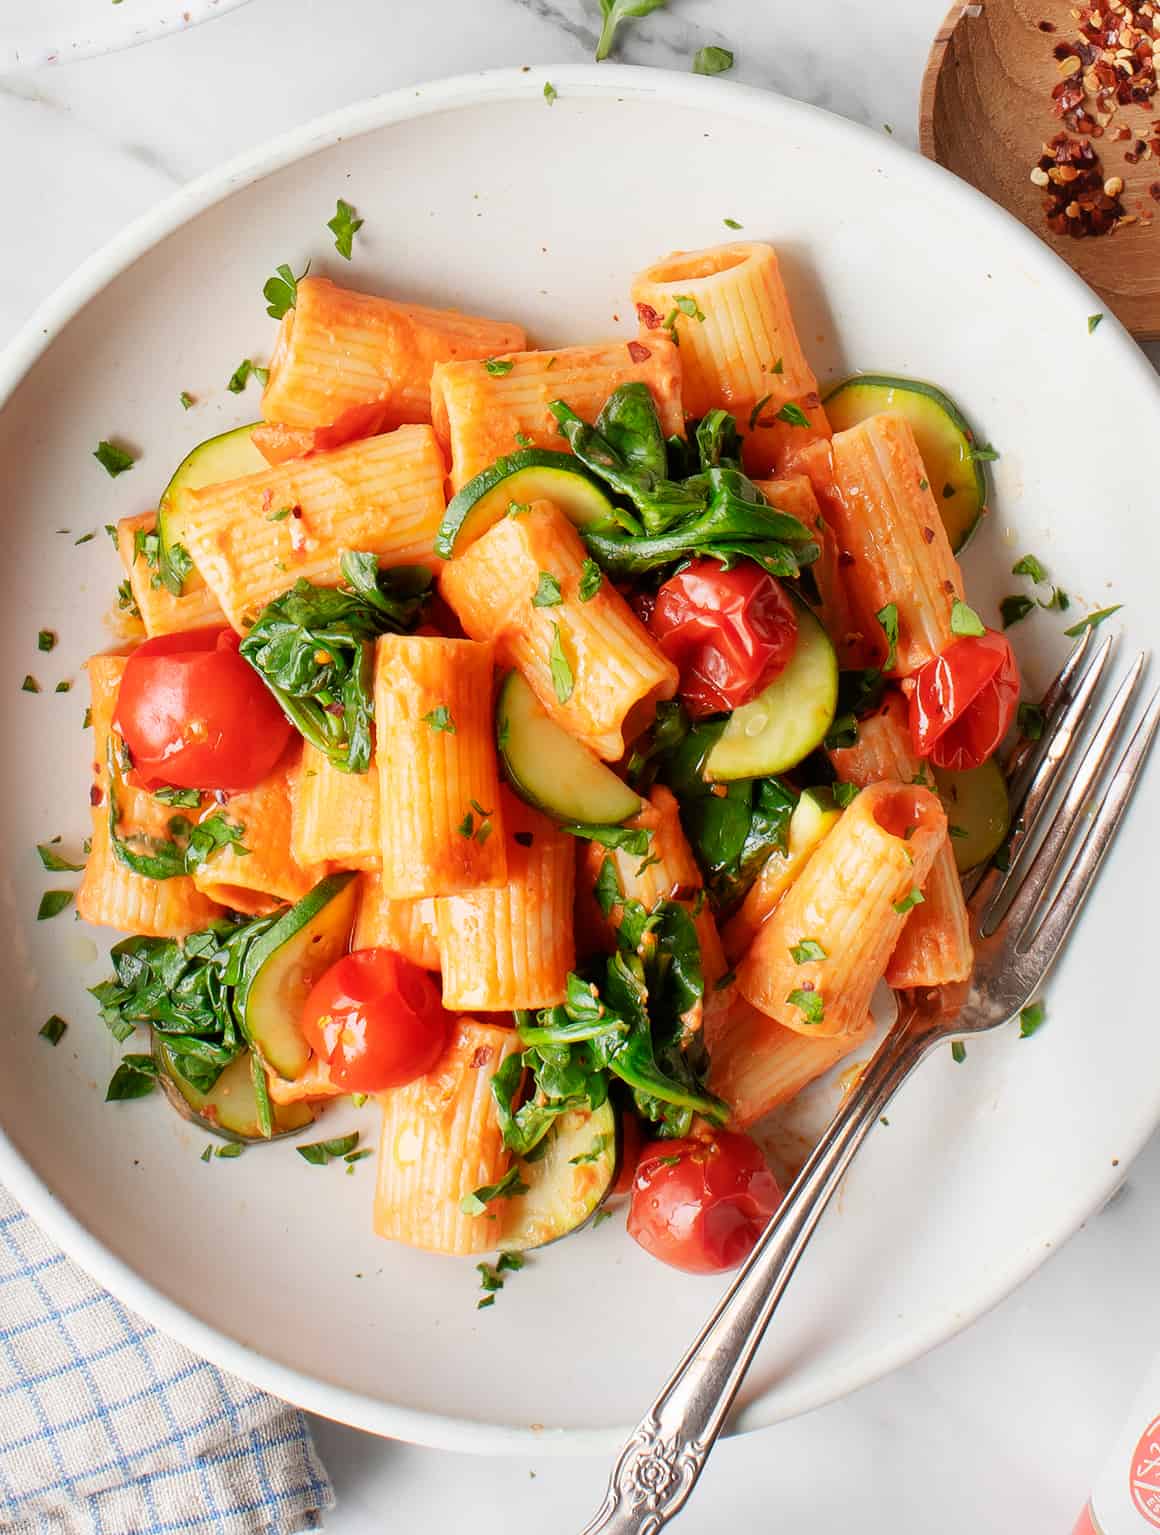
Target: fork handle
x: 660, y: 1462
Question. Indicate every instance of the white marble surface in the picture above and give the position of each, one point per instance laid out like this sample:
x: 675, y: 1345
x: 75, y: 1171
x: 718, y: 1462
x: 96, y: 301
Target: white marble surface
x: 1003, y: 1428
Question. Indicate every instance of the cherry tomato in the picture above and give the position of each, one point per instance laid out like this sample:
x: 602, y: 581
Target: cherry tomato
x: 729, y: 631
x: 701, y: 1204
x: 194, y: 714
x: 376, y: 1019
x: 963, y: 701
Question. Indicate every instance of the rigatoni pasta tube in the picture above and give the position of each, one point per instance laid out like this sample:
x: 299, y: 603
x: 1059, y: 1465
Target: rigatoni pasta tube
x: 440, y: 818
x: 592, y: 664
x: 731, y: 314
x: 260, y: 872
x: 335, y: 815
x: 252, y: 538
x: 513, y: 946
x: 161, y: 612
x: 894, y: 548
x: 667, y: 872
x: 408, y: 927
x: 339, y: 352
x: 440, y: 1141
x: 756, y: 1065
x: 479, y: 415
x: 111, y: 894
x: 935, y: 946
x: 850, y: 901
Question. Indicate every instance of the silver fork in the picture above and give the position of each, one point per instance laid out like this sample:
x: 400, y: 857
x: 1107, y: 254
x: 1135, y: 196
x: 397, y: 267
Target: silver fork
x: 1021, y: 915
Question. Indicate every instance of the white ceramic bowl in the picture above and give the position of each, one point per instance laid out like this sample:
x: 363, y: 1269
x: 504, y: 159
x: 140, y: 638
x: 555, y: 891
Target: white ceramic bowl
x: 59, y: 31
x: 476, y: 192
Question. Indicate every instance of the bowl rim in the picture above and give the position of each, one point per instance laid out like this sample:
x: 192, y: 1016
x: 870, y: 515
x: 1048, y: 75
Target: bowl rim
x: 48, y: 47
x: 32, y: 341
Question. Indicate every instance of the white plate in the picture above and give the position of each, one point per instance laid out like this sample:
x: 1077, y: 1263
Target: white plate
x: 58, y: 31
x: 476, y: 192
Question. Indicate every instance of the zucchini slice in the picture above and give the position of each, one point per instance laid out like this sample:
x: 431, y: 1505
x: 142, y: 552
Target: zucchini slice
x: 533, y: 474
x: 551, y: 769
x: 945, y: 440
x: 789, y: 719
x: 228, y: 456
x: 284, y: 964
x: 978, y: 810
x: 568, y: 1183
x: 230, y: 1108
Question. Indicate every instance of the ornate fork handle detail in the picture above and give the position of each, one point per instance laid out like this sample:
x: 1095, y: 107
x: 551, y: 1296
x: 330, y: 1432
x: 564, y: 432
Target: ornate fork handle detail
x: 659, y: 1464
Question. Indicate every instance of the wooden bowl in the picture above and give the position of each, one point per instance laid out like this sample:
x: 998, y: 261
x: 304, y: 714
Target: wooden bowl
x: 986, y: 112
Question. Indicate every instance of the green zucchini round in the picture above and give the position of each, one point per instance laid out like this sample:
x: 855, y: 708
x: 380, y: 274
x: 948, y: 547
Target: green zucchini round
x: 533, y: 474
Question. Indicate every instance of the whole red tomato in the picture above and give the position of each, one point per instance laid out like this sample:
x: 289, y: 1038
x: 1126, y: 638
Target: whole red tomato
x: 728, y: 631
x: 194, y: 714
x: 376, y: 1019
x: 963, y: 701
x: 701, y: 1204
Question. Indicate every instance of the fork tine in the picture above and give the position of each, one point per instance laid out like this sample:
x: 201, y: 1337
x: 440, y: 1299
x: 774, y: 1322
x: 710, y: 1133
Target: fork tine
x: 1065, y: 706
x: 1075, y: 801
x: 1017, y: 767
x: 1081, y: 874
x: 1030, y: 799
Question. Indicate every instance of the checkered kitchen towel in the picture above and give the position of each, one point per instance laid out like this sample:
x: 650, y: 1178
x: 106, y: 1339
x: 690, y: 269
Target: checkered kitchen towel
x: 109, y: 1428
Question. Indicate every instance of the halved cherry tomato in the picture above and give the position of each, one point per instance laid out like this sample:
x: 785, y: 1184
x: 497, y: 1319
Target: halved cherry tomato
x: 963, y: 701
x: 729, y: 631
x: 194, y: 714
x: 376, y: 1019
x: 701, y: 1204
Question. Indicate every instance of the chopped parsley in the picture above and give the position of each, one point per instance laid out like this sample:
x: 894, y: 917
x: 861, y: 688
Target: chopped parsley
x: 45, y: 640
x: 591, y: 580
x: 281, y: 290
x: 732, y: 224
x: 1031, y: 1018
x: 809, y: 948
x: 343, y: 226
x: 1031, y: 721
x: 440, y: 719
x: 958, y: 1052
x: 965, y: 621
x: 809, y: 1004
x: 280, y: 515
x: 593, y: 1154
x: 230, y: 1150
x: 185, y: 799
x: 985, y: 455
x: 54, y: 1030
x: 607, y: 888
x: 187, y: 400
x: 135, y: 1077
x: 908, y: 902
x: 319, y: 1153
x: 52, y: 903
x: 1093, y: 321
x: 1013, y: 609
x: 844, y: 794
x: 113, y: 460
x: 51, y: 860
x: 498, y: 367
x: 550, y: 92
x: 562, y: 679
x: 712, y: 61
x: 1029, y: 566
x: 242, y: 374
x: 1093, y: 620
x: 755, y: 413
x: 793, y: 414
x: 547, y: 593
x: 511, y: 1183
x: 30, y: 685
x: 888, y: 618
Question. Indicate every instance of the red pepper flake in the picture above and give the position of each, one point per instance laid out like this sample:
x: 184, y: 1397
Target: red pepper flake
x: 96, y: 794
x: 648, y: 316
x: 1047, y: 26
x: 1154, y: 191
x: 845, y: 558
x: 928, y: 534
x: 637, y: 352
x: 479, y: 1057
